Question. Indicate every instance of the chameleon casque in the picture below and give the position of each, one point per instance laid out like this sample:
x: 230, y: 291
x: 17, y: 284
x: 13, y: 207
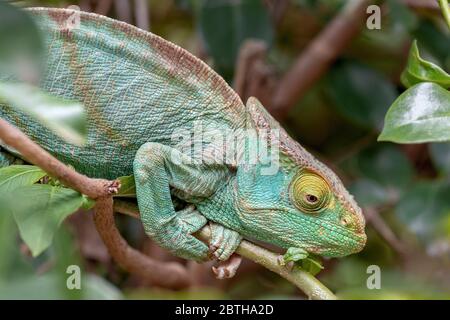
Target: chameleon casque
x: 138, y: 89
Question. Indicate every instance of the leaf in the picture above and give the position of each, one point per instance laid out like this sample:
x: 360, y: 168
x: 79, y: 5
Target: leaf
x: 48, y: 287
x: 312, y: 265
x: 22, y: 48
x: 88, y: 203
x: 15, y: 176
x: 420, y: 114
x: 127, y: 187
x: 419, y: 70
x: 434, y: 40
x: 361, y: 94
x: 294, y: 254
x: 387, y: 165
x: 424, y: 207
x: 39, y: 210
x: 65, y: 118
x: 402, y: 15
x: 440, y: 154
x: 368, y: 192
x: 225, y: 25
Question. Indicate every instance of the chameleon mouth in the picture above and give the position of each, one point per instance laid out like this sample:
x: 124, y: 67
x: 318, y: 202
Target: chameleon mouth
x: 341, y: 247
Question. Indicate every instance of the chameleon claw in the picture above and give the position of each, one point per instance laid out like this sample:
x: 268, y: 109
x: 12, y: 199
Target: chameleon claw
x: 113, y: 187
x: 227, y: 269
x: 288, y: 265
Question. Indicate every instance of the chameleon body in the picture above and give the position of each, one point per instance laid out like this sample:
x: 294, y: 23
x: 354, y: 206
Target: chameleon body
x: 138, y: 90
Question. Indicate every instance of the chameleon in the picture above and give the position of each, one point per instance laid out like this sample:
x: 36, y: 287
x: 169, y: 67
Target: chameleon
x: 146, y: 99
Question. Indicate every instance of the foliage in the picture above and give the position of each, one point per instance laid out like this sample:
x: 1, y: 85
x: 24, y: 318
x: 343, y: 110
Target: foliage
x: 65, y: 118
x: 407, y: 186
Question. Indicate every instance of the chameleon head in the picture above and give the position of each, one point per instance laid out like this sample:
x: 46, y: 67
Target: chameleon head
x: 303, y: 204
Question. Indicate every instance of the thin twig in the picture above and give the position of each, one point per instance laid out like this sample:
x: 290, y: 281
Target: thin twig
x: 316, y: 59
x: 373, y: 217
x: 33, y: 153
x: 165, y: 274
x: 312, y: 287
x: 171, y: 275
x: 141, y: 14
x: 445, y: 10
x: 422, y: 4
x: 103, y: 7
x: 123, y: 10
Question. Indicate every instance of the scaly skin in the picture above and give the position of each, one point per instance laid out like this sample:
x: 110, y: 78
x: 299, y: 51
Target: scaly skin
x: 139, y: 89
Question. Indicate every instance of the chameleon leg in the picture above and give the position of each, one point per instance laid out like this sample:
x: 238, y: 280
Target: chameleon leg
x: 157, y: 167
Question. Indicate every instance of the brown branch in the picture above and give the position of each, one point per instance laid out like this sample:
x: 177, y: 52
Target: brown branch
x: 141, y: 14
x: 316, y: 59
x: 166, y: 274
x: 33, y: 153
x: 312, y: 287
x: 249, y: 51
x: 171, y: 275
x: 422, y: 4
x: 373, y: 217
x: 103, y: 7
x: 123, y: 10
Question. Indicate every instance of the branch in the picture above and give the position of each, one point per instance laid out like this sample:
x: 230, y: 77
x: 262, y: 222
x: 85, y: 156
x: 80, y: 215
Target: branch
x: 172, y: 275
x: 445, y: 11
x: 316, y: 59
x: 377, y: 222
x: 141, y: 13
x: 166, y: 274
x: 33, y: 153
x: 312, y: 287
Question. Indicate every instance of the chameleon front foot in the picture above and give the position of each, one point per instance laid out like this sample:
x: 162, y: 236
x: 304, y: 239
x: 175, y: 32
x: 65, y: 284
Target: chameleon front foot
x: 113, y: 187
x: 223, y: 242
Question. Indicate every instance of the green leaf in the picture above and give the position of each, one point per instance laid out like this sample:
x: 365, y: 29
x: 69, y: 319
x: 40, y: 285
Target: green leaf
x: 21, y: 48
x: 435, y: 41
x: 361, y: 94
x: 39, y: 210
x: 49, y: 287
x: 127, y: 187
x: 424, y: 207
x: 294, y: 254
x: 225, y: 24
x: 419, y: 70
x: 88, y: 203
x: 402, y: 15
x: 65, y: 118
x: 368, y: 192
x: 420, y: 114
x: 15, y: 176
x: 312, y: 265
x: 440, y: 154
x: 387, y: 165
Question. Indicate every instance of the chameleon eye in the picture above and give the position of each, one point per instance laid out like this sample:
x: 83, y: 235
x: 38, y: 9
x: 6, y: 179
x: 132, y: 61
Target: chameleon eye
x: 309, y: 192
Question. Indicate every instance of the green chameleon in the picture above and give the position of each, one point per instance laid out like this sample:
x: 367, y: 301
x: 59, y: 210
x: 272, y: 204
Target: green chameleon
x: 146, y: 101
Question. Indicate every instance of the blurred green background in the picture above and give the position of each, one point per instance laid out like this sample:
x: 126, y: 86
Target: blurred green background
x: 403, y: 189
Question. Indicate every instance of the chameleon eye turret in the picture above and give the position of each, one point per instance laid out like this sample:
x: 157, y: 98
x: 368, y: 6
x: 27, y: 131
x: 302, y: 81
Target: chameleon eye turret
x: 309, y: 192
